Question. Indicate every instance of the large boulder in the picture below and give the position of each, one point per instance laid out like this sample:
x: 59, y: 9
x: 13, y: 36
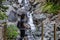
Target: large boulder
x: 41, y: 17
x: 12, y: 17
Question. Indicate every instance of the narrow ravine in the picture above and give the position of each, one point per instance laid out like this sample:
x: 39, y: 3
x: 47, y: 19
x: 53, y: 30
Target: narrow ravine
x: 33, y: 17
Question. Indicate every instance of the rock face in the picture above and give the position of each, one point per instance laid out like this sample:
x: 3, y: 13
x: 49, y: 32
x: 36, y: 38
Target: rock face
x: 39, y: 16
x: 48, y: 25
x: 38, y: 19
x: 12, y: 17
x: 48, y: 28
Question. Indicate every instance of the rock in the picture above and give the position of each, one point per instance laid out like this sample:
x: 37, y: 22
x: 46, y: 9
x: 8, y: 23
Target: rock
x: 39, y: 16
x: 38, y: 19
x: 42, y: 16
x: 58, y: 29
x: 48, y: 28
x: 27, y: 7
x: 21, y: 11
x: 12, y: 17
x: 38, y: 33
x: 58, y: 34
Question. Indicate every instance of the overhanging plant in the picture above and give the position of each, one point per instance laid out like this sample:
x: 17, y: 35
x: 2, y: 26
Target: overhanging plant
x: 50, y: 8
x: 3, y: 15
x: 3, y: 10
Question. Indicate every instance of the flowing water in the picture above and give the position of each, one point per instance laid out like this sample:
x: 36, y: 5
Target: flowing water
x: 30, y: 21
x: 48, y: 26
x: 25, y: 7
x: 29, y: 14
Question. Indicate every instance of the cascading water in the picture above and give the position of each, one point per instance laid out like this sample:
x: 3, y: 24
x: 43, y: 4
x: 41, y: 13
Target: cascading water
x: 26, y: 6
x: 30, y: 19
x: 29, y: 15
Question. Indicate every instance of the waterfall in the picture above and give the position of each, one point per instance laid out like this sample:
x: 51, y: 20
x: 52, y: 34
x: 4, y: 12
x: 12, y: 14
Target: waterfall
x: 32, y: 26
x: 20, y: 1
x: 30, y: 21
x: 29, y: 15
x: 26, y: 8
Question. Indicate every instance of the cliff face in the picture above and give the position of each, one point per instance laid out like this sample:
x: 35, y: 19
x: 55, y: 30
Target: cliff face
x: 47, y: 19
x: 48, y: 23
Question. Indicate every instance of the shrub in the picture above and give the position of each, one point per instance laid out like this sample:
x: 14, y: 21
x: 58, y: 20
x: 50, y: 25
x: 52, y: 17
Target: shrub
x: 2, y: 15
x: 50, y: 8
x: 12, y: 32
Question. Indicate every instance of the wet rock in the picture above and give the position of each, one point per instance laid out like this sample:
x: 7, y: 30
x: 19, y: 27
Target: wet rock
x: 21, y: 11
x: 58, y: 34
x: 48, y: 28
x: 39, y: 16
x: 58, y: 29
x: 37, y: 34
x: 12, y: 17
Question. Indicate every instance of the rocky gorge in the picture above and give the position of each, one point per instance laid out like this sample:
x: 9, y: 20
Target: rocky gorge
x: 37, y: 18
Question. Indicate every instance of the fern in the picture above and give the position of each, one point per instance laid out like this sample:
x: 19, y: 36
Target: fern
x: 50, y: 8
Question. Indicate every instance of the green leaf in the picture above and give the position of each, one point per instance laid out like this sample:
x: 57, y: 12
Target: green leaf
x: 12, y: 31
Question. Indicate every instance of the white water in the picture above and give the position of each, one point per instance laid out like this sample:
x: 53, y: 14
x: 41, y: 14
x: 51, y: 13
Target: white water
x: 20, y: 1
x: 30, y: 20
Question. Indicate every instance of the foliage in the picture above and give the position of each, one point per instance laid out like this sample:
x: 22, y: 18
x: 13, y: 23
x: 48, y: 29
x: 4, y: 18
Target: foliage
x: 2, y: 7
x: 12, y: 32
x: 54, y: 1
x: 2, y: 15
x: 50, y: 8
x: 2, y: 10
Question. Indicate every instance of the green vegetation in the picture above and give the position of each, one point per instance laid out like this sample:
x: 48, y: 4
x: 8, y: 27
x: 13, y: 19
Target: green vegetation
x: 2, y: 10
x: 2, y: 15
x: 2, y: 7
x: 12, y: 32
x: 54, y: 1
x: 51, y: 7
